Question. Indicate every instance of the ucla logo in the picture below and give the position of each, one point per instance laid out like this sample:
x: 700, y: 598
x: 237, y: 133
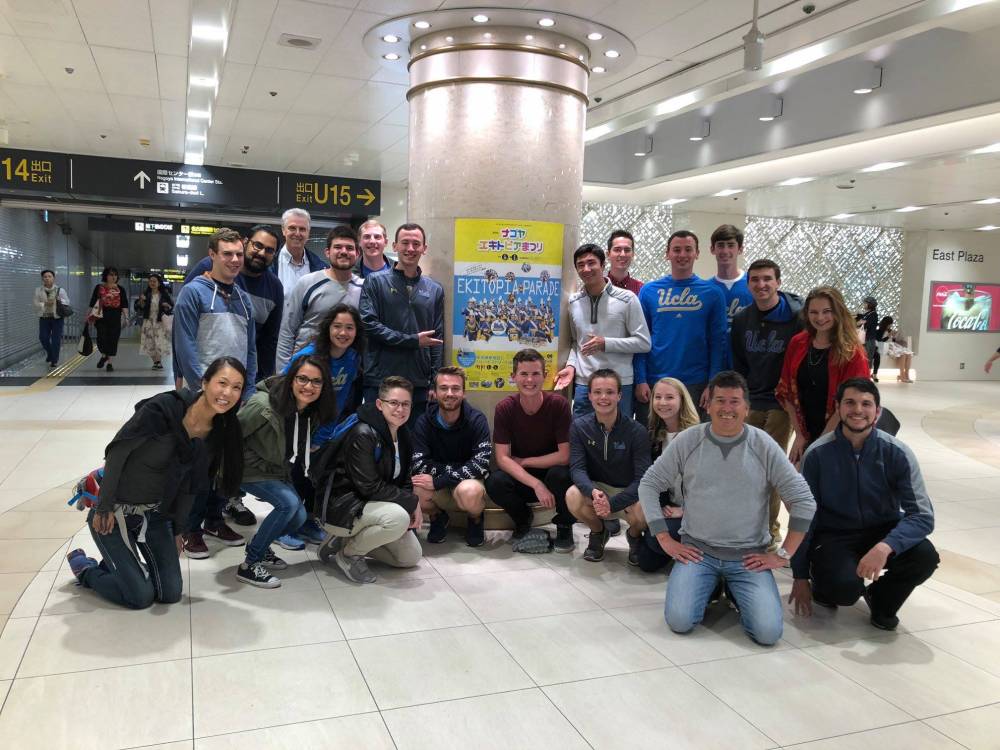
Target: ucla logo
x: 771, y: 345
x: 668, y: 301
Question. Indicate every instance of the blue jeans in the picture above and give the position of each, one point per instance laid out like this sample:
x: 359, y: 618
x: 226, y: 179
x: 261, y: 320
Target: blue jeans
x: 582, y: 405
x: 121, y: 579
x: 287, y: 517
x: 50, y: 331
x: 691, y: 585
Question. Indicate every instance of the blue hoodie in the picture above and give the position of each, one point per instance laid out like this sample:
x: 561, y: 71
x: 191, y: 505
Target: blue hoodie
x: 213, y: 320
x: 687, y: 324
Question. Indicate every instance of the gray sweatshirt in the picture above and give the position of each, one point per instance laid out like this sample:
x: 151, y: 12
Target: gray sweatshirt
x: 617, y: 315
x: 725, y: 486
x: 306, y: 304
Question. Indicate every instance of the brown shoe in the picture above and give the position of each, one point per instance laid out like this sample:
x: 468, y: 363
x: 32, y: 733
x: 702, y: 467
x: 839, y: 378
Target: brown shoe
x: 194, y: 545
x: 226, y: 535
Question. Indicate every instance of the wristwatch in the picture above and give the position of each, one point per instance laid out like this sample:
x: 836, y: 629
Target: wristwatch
x: 784, y: 554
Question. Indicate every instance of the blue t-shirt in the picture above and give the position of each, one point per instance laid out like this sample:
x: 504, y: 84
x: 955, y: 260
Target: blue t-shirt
x: 737, y: 294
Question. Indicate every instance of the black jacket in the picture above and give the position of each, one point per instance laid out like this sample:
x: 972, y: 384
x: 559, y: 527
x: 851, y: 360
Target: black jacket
x: 393, y: 319
x: 142, y: 304
x: 153, y: 462
x: 363, y: 466
x: 618, y: 458
x: 451, y: 454
x: 759, y: 349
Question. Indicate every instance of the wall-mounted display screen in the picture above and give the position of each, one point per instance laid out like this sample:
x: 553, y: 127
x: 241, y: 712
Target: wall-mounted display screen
x: 964, y: 307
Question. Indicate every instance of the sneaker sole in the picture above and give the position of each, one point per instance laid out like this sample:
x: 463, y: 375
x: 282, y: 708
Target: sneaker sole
x: 289, y: 547
x: 593, y: 559
x: 275, y: 566
x: 347, y: 573
x: 196, y: 555
x: 557, y: 548
x: 227, y: 543
x: 259, y: 584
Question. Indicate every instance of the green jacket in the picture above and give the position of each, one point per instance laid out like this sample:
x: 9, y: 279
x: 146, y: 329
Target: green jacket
x: 264, y: 456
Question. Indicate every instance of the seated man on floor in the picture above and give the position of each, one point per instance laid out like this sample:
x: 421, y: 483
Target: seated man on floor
x: 609, y: 453
x: 451, y: 458
x: 872, y: 515
x: 371, y: 505
x: 727, y: 470
x: 531, y: 435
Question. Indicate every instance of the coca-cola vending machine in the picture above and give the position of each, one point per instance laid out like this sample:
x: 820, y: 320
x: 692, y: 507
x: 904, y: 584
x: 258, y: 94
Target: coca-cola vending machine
x: 963, y: 307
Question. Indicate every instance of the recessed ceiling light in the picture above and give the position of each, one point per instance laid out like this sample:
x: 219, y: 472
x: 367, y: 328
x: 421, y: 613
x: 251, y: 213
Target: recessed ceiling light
x: 598, y: 69
x: 196, y: 137
x: 390, y: 56
x: 197, y: 158
x: 842, y: 216
x: 546, y: 22
x: 987, y: 228
x: 882, y: 166
x: 421, y: 25
x: 449, y: 39
x: 199, y: 114
x: 613, y: 54
x: 988, y: 201
x: 528, y: 37
x: 487, y: 35
x: 209, y: 33
x: 991, y: 149
x: 674, y: 201
x: 727, y: 192
x: 795, y: 181
x: 423, y: 46
x: 909, y: 209
x: 207, y: 82
x: 390, y: 39
x: 562, y: 46
x: 595, y: 36
x: 480, y: 18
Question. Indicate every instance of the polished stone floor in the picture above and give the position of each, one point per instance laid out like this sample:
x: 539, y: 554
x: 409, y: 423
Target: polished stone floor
x: 479, y: 648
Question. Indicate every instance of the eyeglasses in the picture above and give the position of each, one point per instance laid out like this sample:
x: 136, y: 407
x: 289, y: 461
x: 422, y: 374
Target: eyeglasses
x: 262, y: 248
x: 303, y: 380
x: 394, y: 404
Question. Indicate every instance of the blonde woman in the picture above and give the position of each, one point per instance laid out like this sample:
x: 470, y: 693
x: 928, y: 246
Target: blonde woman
x: 817, y: 361
x: 671, y: 411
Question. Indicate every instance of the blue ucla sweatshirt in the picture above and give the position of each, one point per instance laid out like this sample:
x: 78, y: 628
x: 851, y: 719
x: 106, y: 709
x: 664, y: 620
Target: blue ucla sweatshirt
x: 688, y: 327
x: 737, y: 294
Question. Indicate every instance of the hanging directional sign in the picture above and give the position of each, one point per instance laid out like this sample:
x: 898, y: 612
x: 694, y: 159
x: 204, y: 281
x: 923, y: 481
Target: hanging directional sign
x: 166, y: 182
x: 38, y: 171
x: 331, y: 195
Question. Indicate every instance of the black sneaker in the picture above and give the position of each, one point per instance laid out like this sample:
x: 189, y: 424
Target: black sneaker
x: 271, y: 560
x: 438, y: 528
x: 474, y: 533
x: 882, y: 622
x: 634, y: 543
x: 257, y: 575
x: 241, y: 515
x: 109, y: 368
x: 613, y: 526
x: 595, y: 545
x: 564, y: 539
x: 101, y: 362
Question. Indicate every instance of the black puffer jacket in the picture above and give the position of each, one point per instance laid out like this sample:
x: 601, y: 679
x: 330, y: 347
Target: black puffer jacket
x: 362, y: 470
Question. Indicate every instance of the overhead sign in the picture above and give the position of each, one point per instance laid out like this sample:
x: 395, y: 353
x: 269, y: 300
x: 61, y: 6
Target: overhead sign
x: 102, y: 224
x: 165, y: 182
x: 38, y: 171
x: 336, y: 195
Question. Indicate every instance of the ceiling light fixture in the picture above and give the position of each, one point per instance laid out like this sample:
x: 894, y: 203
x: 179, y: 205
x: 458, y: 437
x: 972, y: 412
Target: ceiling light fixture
x: 773, y: 109
x: 991, y: 149
x: 643, y: 145
x: 727, y: 192
x: 196, y: 158
x: 208, y: 82
x: 909, y: 209
x: 792, y: 181
x: 562, y: 46
x: 421, y: 25
x: 481, y: 18
x: 390, y: 39
x: 449, y: 39
x: 546, y: 22
x: 209, y: 33
x: 987, y: 228
x: 390, y: 56
x: 598, y: 69
x: 196, y: 137
x: 595, y: 36
x: 673, y: 201
x: 883, y: 166
x: 753, y: 44
x: 200, y: 114
x: 702, y: 130
x: 612, y: 54
x: 529, y: 37
x: 987, y: 201
x: 842, y: 216
x: 872, y: 81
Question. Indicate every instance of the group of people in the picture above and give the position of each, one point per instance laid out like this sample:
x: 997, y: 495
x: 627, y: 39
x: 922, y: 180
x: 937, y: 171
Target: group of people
x: 686, y: 394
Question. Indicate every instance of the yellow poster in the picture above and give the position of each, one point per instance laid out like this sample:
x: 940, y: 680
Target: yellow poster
x: 508, y: 283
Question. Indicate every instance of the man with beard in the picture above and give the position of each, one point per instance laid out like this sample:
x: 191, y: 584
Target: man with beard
x: 374, y: 237
x: 873, y: 515
x: 315, y: 294
x: 451, y: 458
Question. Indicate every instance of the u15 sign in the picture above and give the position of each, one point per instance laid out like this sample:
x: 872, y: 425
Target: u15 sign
x: 964, y: 307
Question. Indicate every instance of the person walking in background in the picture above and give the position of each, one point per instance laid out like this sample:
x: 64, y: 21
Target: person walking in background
x: 157, y: 308
x: 107, y: 302
x: 870, y: 320
x: 881, y: 341
x: 48, y: 298
x: 816, y: 362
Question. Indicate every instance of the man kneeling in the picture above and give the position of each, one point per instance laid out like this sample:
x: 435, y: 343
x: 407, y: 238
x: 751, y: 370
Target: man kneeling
x: 608, y: 454
x: 726, y: 469
x: 372, y: 504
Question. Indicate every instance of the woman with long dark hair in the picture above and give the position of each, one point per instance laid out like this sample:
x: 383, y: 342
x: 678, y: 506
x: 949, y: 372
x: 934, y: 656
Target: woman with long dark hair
x: 156, y: 307
x: 110, y: 300
x: 278, y: 424
x: 817, y: 360
x: 174, y: 446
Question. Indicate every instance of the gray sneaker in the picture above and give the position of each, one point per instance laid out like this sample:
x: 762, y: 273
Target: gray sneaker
x: 354, y: 567
x: 330, y: 547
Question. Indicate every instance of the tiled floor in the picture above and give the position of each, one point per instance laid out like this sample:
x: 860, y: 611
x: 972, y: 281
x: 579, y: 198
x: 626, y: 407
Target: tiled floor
x: 482, y: 648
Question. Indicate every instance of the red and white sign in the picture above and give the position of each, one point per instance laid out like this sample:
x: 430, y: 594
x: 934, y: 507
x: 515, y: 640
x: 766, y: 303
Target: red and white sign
x: 964, y: 307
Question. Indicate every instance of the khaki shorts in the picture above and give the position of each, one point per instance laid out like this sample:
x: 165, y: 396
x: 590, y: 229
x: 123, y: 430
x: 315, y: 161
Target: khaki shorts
x: 445, y: 500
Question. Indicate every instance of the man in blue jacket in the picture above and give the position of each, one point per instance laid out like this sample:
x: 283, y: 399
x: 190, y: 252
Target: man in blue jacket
x: 872, y: 518
x: 403, y: 314
x: 451, y: 458
x: 686, y: 317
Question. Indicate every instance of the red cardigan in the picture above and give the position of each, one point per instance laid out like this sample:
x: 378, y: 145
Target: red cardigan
x: 787, y: 392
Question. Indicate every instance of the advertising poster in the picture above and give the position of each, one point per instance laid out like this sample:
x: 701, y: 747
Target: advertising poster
x: 508, y: 282
x: 963, y: 307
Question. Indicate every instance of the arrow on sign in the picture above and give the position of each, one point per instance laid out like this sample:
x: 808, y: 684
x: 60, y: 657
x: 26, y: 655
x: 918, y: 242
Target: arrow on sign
x: 368, y: 197
x: 142, y: 179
